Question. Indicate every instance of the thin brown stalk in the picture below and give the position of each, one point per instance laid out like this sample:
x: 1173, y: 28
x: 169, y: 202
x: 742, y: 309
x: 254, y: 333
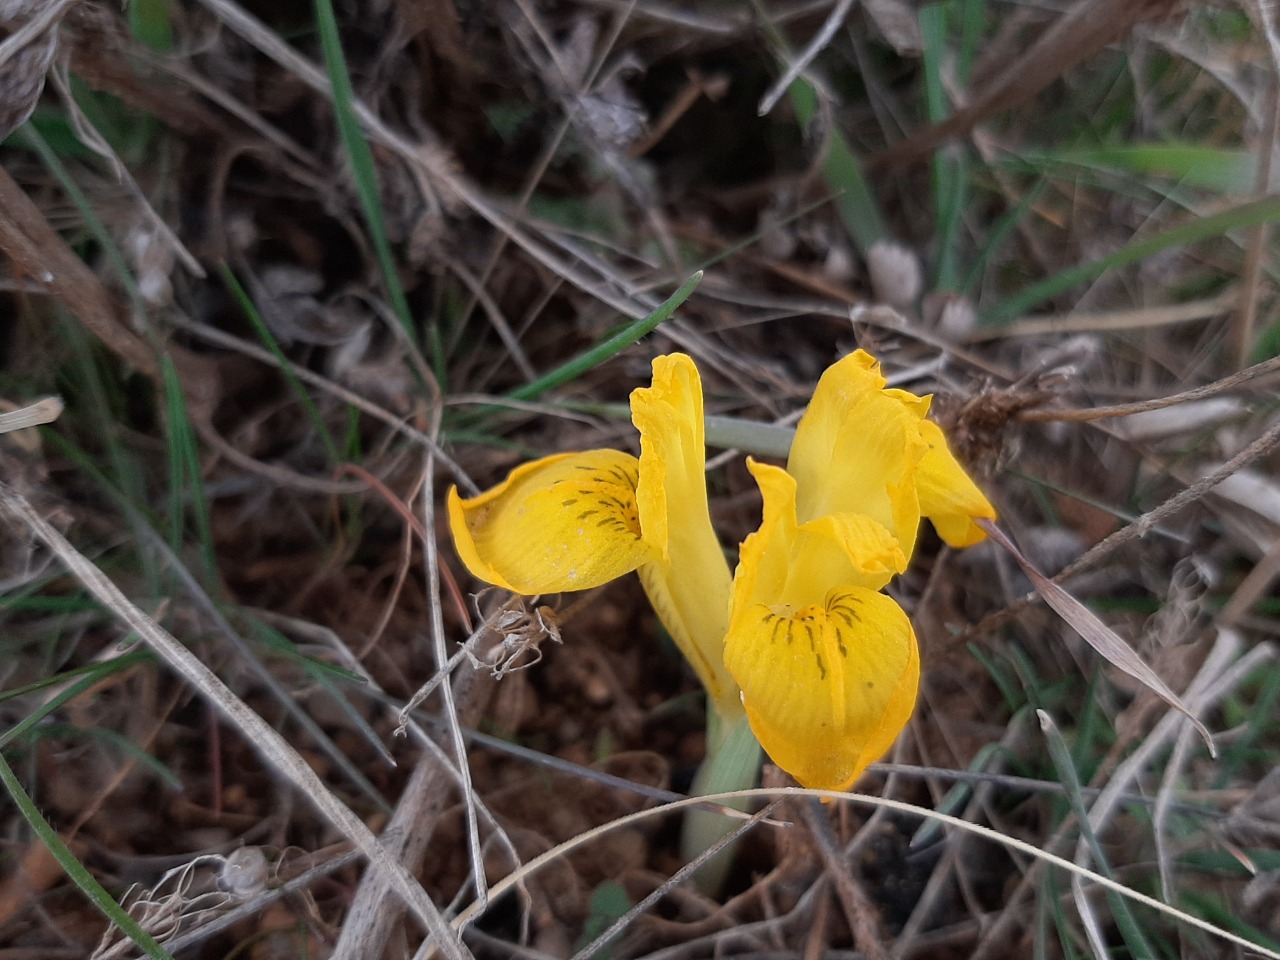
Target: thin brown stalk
x: 1077, y: 35
x: 859, y: 910
x: 1141, y: 406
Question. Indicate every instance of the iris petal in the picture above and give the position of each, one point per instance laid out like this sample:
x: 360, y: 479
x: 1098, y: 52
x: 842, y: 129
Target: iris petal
x: 947, y: 496
x: 565, y: 522
x: 857, y: 447
x: 828, y: 686
x: 827, y: 665
x: 688, y: 579
x: 797, y: 563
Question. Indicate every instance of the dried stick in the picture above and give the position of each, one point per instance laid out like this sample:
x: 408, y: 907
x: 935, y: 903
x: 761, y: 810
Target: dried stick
x: 1085, y: 29
x: 1187, y: 396
x: 858, y: 908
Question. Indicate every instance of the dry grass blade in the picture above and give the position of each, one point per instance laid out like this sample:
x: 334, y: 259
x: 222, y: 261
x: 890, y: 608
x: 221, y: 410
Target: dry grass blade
x: 40, y: 252
x: 277, y: 753
x: 859, y: 909
x: 1096, y: 633
x: 1112, y: 320
x: 44, y: 410
x: 593, y: 948
x: 801, y: 63
x: 1256, y: 450
x: 471, y: 913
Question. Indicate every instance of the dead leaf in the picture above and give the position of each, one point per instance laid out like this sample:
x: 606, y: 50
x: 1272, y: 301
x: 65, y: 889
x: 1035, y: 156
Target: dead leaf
x: 1096, y: 633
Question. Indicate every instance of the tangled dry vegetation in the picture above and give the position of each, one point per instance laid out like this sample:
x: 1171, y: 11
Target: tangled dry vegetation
x: 294, y: 269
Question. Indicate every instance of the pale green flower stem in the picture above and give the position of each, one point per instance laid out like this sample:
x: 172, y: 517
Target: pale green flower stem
x: 732, y: 763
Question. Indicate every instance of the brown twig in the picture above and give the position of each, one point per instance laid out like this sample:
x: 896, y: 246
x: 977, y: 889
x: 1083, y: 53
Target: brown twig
x: 858, y: 908
x: 1159, y: 403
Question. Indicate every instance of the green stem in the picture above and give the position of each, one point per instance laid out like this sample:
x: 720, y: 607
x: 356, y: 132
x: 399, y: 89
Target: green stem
x: 732, y: 763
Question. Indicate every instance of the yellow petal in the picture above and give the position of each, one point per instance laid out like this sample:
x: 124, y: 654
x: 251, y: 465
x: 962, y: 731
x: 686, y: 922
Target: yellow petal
x: 672, y: 492
x: 786, y: 562
x: 948, y: 497
x: 566, y: 522
x: 688, y: 579
x: 765, y: 557
x: 844, y: 548
x: 827, y: 687
x: 857, y: 447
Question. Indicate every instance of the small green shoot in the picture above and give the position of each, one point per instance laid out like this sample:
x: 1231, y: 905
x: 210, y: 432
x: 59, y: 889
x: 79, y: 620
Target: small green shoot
x: 186, y: 485
x: 74, y: 868
x: 611, y: 347
x: 609, y: 902
x: 361, y: 157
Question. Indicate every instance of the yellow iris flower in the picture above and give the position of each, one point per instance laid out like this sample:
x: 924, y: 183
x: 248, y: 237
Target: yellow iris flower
x: 825, y: 665
x: 828, y: 665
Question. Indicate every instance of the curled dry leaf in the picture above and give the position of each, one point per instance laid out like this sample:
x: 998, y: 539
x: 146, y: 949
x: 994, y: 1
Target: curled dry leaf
x: 44, y: 410
x: 29, y: 32
x: 895, y: 274
x: 897, y: 23
x: 1096, y: 633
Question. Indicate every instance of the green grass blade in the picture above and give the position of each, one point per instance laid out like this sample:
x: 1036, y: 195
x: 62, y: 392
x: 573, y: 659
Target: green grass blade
x: 843, y: 174
x: 1228, y: 172
x: 611, y: 347
x: 86, y: 210
x: 1130, y: 930
x: 841, y: 169
x: 120, y: 742
x: 96, y: 671
x: 361, y: 157
x: 150, y: 22
x: 950, y: 166
x: 1216, y: 912
x: 972, y: 17
x: 81, y: 877
x: 1002, y: 675
x: 93, y: 674
x: 20, y: 602
x: 295, y: 385
x: 184, y: 471
x: 327, y: 676
x: 1251, y: 214
x: 1000, y: 232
